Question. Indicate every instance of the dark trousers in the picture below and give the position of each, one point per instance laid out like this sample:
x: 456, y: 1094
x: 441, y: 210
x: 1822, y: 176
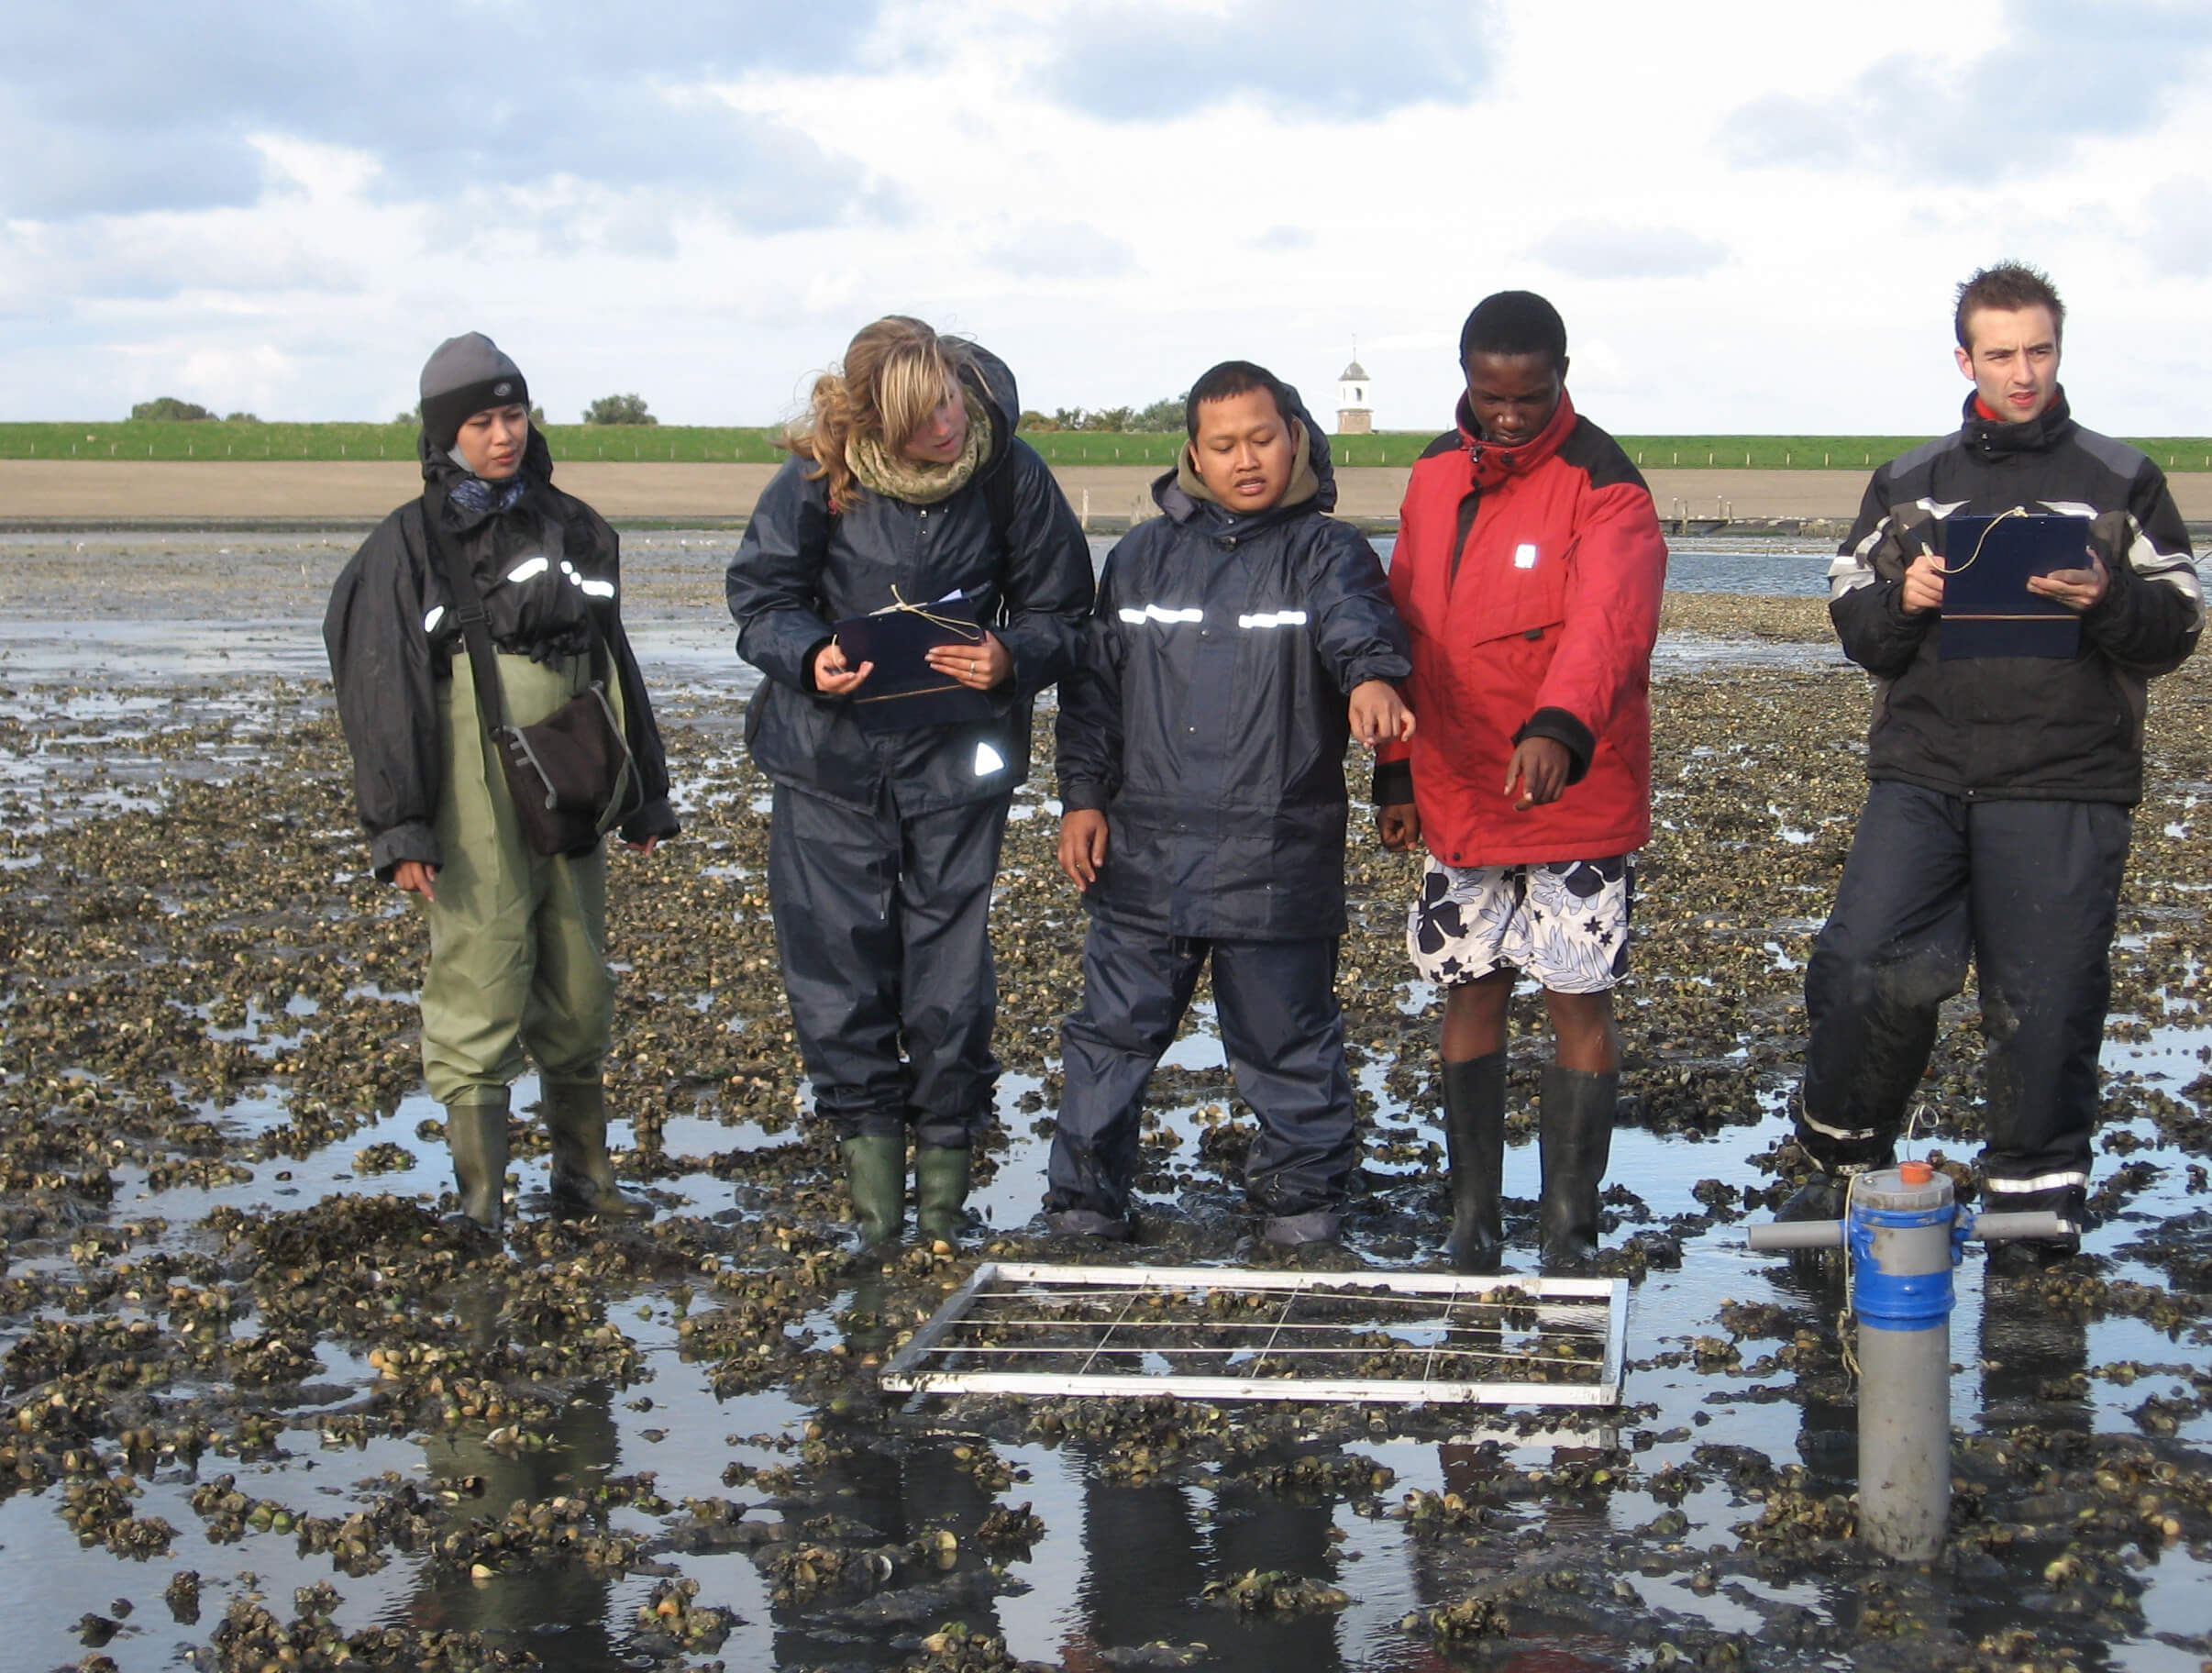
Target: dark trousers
x: 1285, y: 1038
x: 882, y: 924
x: 2029, y: 890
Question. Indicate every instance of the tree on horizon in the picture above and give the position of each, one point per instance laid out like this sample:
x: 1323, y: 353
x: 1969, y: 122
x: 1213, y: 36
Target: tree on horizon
x: 618, y: 409
x: 169, y: 409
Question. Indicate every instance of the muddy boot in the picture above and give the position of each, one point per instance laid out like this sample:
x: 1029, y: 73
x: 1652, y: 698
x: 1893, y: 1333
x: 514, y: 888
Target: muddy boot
x: 941, y: 1190
x: 874, y: 1175
x: 1820, y: 1198
x: 583, y: 1173
x: 1575, y: 1131
x: 2024, y: 1256
x: 477, y: 1136
x: 1474, y: 1101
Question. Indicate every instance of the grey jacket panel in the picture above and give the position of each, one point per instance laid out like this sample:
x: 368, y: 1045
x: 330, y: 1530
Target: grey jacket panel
x: 2018, y: 726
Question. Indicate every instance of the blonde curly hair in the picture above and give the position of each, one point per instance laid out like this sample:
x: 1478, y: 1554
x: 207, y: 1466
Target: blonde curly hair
x: 896, y: 373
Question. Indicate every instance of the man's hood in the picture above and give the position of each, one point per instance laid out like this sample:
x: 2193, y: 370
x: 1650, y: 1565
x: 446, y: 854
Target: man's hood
x: 1312, y: 479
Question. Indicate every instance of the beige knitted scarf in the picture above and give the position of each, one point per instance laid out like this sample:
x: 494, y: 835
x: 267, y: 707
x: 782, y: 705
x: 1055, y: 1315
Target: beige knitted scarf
x: 915, y: 480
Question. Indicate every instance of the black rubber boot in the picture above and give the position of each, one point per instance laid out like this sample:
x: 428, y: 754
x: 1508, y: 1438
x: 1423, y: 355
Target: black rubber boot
x: 1474, y: 1103
x: 583, y: 1173
x: 476, y: 1134
x: 941, y: 1190
x: 875, y: 1177
x: 1574, y: 1130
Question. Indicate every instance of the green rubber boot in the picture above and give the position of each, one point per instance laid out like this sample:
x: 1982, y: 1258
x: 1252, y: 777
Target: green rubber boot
x: 875, y: 1177
x: 941, y: 1190
x: 476, y: 1134
x: 583, y: 1173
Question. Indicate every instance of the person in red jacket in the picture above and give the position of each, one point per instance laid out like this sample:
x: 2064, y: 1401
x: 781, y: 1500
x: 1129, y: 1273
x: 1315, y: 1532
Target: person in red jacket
x: 1528, y: 572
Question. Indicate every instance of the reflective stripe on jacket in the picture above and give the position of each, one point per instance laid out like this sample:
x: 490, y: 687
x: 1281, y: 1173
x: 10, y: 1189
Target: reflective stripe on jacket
x: 2066, y: 727
x: 798, y: 571
x: 1207, y: 714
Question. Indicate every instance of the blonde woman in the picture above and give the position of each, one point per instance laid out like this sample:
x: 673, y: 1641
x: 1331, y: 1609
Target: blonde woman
x: 906, y: 487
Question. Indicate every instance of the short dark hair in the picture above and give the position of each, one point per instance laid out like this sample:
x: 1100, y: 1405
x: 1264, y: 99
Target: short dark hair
x: 1237, y: 378
x: 1514, y: 322
x: 2009, y: 286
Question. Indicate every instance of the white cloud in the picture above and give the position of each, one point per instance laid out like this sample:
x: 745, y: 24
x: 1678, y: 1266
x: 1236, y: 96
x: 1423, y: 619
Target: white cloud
x: 704, y: 206
x: 1610, y: 250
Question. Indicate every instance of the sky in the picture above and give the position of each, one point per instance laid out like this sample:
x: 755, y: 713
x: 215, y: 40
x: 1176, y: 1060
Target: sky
x: 1752, y: 217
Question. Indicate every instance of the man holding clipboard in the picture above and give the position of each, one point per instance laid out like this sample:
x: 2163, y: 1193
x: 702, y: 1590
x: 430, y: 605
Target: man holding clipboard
x: 2005, y: 755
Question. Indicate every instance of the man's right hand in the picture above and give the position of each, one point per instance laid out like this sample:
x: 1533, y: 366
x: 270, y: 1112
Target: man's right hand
x: 1399, y: 826
x: 834, y: 677
x: 412, y: 877
x: 1924, y: 584
x: 1082, y: 845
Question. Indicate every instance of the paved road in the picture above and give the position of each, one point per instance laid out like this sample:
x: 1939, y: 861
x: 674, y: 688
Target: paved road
x: 349, y: 492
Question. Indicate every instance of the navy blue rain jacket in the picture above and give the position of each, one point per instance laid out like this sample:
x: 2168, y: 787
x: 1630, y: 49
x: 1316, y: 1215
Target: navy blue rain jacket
x: 798, y: 570
x: 1206, y: 715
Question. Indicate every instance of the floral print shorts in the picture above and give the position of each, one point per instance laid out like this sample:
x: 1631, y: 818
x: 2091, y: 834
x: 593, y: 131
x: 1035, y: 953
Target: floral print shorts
x: 1565, y: 923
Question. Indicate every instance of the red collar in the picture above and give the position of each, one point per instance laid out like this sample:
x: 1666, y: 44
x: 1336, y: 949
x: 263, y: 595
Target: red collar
x: 1491, y: 464
x: 1982, y: 409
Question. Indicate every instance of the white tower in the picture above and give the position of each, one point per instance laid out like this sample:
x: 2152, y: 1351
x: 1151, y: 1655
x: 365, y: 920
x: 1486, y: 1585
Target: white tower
x: 1355, y: 411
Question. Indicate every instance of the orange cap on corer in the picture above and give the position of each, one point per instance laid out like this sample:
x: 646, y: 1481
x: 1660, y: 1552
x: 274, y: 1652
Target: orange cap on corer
x: 1915, y: 1173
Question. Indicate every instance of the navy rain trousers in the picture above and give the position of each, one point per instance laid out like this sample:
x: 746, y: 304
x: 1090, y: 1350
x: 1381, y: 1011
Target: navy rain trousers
x: 2030, y: 890
x: 1285, y: 1035
x: 882, y: 924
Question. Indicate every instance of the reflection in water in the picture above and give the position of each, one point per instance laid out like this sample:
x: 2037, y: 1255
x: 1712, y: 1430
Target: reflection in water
x: 1151, y: 1551
x: 882, y: 1494
x: 1828, y: 1415
x: 2035, y: 1361
x: 562, y: 1600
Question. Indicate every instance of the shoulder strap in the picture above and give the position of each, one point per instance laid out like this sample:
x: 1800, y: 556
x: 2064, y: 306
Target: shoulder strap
x: 475, y: 628
x: 469, y: 605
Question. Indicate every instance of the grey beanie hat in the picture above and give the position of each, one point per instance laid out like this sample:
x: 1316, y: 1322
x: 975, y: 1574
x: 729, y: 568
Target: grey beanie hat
x: 467, y: 375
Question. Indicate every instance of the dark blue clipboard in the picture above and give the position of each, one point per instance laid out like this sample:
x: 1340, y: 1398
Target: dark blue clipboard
x: 903, y: 693
x: 1987, y: 609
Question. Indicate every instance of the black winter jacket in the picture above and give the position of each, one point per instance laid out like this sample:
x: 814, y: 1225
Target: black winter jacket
x: 543, y: 567
x: 1206, y: 715
x: 2018, y: 727
x: 799, y: 569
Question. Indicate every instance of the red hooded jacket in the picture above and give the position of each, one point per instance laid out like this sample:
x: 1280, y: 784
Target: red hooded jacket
x: 1528, y: 578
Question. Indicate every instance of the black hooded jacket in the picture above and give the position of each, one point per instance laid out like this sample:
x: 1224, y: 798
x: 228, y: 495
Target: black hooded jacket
x: 799, y: 569
x: 1207, y: 716
x: 545, y: 568
x: 2068, y: 728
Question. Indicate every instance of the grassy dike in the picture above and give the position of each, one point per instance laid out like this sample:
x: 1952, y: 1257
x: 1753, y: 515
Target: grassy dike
x: 695, y: 443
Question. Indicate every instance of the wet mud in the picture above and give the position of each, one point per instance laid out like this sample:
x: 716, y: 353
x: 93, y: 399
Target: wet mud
x: 260, y: 1407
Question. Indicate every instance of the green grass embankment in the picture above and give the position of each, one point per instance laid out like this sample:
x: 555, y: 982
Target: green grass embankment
x: 694, y: 444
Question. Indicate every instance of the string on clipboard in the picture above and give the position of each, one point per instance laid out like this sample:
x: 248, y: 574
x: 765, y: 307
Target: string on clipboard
x: 969, y: 631
x: 2016, y: 511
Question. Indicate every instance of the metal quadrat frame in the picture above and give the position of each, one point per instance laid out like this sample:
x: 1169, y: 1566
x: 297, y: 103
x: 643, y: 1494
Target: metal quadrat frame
x: 1403, y: 1337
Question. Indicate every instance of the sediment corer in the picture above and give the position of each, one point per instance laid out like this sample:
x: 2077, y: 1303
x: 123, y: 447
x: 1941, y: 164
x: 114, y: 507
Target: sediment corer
x: 1905, y: 1233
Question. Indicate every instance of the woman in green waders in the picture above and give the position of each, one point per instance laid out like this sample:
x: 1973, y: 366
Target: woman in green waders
x: 517, y: 938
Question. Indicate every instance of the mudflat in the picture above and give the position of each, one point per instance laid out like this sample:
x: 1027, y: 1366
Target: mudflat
x: 263, y: 1407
